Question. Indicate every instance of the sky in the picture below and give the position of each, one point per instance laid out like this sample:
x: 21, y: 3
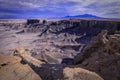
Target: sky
x: 58, y: 8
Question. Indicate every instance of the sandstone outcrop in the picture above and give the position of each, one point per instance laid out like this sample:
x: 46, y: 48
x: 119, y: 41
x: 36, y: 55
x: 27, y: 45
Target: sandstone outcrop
x: 102, y: 55
x: 79, y: 74
x: 12, y: 69
x: 26, y: 57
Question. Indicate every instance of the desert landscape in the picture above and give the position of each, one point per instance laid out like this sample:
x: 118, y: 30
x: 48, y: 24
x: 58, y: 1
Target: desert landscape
x: 59, y: 49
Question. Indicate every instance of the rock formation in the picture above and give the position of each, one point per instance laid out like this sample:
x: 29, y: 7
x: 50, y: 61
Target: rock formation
x: 27, y: 57
x: 102, y: 55
x: 79, y: 74
x: 12, y: 69
x: 32, y: 21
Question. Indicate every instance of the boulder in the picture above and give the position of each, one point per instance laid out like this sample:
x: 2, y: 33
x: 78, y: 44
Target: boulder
x: 79, y: 74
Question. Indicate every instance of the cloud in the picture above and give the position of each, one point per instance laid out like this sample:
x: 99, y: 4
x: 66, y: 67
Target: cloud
x: 28, y: 4
x: 104, y: 8
x: 48, y: 8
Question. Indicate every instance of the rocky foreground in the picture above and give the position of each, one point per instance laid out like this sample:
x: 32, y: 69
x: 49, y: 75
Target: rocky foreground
x: 14, y: 68
x: 60, y: 50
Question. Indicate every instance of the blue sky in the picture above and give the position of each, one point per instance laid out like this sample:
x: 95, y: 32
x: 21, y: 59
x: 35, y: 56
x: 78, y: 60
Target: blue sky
x: 58, y: 8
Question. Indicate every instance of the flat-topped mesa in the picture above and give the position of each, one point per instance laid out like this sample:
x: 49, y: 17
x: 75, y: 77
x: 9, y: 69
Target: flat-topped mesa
x: 27, y: 57
x: 73, y: 26
x: 32, y: 21
x: 81, y: 26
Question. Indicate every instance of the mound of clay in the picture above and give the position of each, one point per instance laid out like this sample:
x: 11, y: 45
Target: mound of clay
x: 102, y: 55
x: 12, y: 69
x: 79, y: 74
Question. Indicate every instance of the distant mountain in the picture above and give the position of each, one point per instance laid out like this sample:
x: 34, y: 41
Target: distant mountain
x: 83, y: 16
x: 89, y: 16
